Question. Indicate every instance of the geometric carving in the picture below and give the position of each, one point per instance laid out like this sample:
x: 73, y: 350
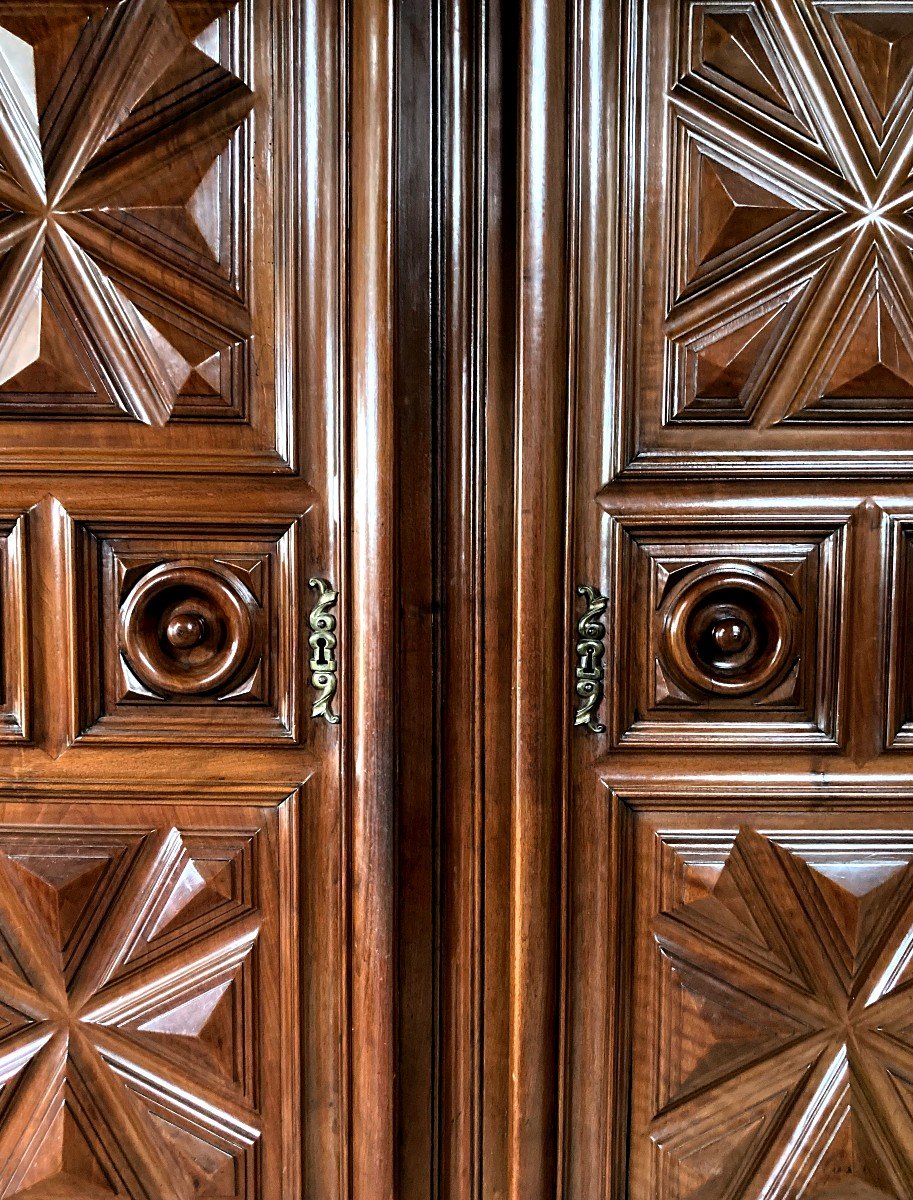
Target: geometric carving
x: 869, y: 367
x: 876, y: 48
x: 733, y: 209
x: 877, y: 360
x: 787, y: 993
x: 732, y: 45
x: 148, y: 181
x: 725, y: 369
x: 735, y: 58
x: 731, y: 213
x: 108, y: 190
x: 774, y: 265
x: 191, y: 629
x: 727, y: 638
x: 131, y: 1054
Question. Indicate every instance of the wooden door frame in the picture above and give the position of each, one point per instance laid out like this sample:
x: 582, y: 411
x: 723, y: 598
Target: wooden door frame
x: 347, y: 902
x: 505, y: 202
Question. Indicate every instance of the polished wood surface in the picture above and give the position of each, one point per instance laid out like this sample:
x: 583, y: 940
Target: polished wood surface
x: 572, y: 345
x: 196, y: 868
x: 675, y: 267
x: 739, y: 382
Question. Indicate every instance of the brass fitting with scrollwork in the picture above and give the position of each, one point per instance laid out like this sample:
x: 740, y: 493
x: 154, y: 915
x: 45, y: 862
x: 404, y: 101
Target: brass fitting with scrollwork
x: 323, y: 650
x: 590, y: 654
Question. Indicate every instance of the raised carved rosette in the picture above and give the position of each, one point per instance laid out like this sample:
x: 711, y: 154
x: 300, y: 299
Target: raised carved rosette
x: 728, y: 629
x: 188, y: 630
x: 726, y: 636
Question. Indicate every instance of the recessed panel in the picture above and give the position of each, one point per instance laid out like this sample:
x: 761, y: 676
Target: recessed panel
x: 186, y: 632
x: 774, y: 250
x: 144, y: 951
x: 728, y: 636
x: 772, y: 1032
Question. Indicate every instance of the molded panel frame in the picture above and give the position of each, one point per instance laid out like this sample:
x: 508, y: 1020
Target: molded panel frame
x: 261, y: 174
x: 140, y: 848
x: 628, y: 261
x: 805, y: 563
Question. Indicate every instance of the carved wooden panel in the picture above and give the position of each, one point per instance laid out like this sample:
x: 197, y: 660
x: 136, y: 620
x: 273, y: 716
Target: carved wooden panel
x: 727, y: 634
x: 144, y: 174
x: 147, y: 967
x: 186, y: 631
x: 194, y: 421
x: 772, y: 1017
x: 736, y: 1013
x: 773, y: 246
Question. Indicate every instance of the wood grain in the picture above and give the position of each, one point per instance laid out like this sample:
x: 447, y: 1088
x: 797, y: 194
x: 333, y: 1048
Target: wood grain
x: 538, y: 635
x: 372, y: 745
x: 175, y: 303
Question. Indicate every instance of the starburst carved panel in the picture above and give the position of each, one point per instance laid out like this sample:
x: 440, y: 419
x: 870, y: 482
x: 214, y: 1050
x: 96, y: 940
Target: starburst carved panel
x: 780, y: 969
x: 777, y: 252
x: 102, y: 184
x: 135, y: 963
x: 142, y: 165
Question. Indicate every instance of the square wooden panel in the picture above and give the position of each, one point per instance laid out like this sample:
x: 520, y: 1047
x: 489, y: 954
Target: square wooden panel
x: 150, y: 178
x: 766, y: 305
x: 728, y: 636
x: 148, y: 996
x: 187, y: 632
x: 14, y: 629
x: 771, y: 969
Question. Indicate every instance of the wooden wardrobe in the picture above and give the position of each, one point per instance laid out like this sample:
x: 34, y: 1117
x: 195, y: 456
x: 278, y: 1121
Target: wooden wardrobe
x: 456, y: 599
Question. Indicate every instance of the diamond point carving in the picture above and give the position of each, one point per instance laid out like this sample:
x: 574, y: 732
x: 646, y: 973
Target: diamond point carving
x: 120, y: 959
x: 92, y: 175
x: 796, y: 984
x: 778, y: 224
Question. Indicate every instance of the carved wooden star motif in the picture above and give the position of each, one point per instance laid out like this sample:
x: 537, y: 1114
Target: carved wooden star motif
x: 115, y: 966
x: 111, y: 118
x: 793, y: 299
x: 805, y: 1087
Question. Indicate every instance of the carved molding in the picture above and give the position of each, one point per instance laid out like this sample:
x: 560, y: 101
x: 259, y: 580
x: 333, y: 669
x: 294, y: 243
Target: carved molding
x: 192, y: 627
x: 134, y: 993
x: 899, y: 659
x: 776, y: 971
x: 742, y: 637
x: 16, y: 699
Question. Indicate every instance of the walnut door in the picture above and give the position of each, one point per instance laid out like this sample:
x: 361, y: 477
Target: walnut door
x: 741, y: 807
x: 176, y: 821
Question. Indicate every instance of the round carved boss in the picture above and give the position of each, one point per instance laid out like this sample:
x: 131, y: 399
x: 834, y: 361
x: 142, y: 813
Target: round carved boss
x: 728, y: 629
x: 189, y: 630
